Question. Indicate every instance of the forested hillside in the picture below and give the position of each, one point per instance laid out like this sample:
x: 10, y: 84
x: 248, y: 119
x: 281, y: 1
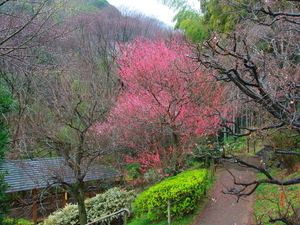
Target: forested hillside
x: 93, y: 84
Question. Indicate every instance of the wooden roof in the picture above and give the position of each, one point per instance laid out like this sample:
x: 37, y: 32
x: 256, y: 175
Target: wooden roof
x: 31, y: 174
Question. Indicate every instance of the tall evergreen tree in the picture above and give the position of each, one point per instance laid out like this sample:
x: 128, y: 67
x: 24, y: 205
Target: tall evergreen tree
x: 5, y: 106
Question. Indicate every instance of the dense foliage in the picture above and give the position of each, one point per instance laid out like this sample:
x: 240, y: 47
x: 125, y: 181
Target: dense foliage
x: 183, y: 191
x: 101, y: 205
x: 200, y: 23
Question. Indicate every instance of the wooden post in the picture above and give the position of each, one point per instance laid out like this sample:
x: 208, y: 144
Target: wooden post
x: 125, y: 218
x: 34, y: 208
x: 169, y: 212
x: 281, y: 198
x: 64, y: 200
x: 23, y: 195
x: 212, y: 168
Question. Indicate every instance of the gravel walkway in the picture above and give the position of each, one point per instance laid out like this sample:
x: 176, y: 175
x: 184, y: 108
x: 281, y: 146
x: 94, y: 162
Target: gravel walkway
x: 223, y: 209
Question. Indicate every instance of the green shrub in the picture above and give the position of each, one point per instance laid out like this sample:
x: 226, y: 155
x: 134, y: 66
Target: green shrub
x: 183, y: 191
x: 101, y: 205
x: 14, y: 221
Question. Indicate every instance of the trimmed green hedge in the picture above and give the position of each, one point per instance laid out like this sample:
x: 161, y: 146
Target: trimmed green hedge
x: 183, y: 191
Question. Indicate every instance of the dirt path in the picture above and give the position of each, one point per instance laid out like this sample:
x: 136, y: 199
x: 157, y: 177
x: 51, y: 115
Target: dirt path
x: 224, y: 209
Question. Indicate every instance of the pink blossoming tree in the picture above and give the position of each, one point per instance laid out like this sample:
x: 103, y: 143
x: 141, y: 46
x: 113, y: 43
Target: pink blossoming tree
x: 166, y: 102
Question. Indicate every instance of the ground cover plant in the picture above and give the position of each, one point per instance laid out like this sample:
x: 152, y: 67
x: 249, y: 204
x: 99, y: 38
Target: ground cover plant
x: 183, y: 191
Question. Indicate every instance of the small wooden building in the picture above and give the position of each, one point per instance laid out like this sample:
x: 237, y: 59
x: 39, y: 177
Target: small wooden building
x: 34, y: 184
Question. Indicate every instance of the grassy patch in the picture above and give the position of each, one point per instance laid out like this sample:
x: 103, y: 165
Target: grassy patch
x: 182, y: 220
x: 270, y: 202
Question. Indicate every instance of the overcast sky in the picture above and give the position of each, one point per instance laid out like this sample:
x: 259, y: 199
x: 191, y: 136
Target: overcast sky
x: 149, y: 7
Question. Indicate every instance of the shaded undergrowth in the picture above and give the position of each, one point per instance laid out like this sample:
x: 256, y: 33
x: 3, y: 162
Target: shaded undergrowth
x: 274, y: 201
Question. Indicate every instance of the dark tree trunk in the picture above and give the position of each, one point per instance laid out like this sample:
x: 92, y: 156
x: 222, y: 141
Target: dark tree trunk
x: 80, y: 201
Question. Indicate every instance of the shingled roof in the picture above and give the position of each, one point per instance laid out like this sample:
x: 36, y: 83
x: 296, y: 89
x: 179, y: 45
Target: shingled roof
x: 28, y: 174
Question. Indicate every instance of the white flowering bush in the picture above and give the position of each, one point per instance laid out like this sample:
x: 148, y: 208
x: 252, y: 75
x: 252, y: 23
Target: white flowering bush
x: 67, y: 215
x: 101, y: 205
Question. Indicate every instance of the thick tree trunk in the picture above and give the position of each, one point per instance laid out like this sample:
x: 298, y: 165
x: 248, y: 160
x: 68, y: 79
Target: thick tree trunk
x: 175, y: 140
x: 80, y: 201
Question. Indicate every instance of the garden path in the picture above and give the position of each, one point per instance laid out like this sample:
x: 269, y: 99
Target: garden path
x: 223, y: 209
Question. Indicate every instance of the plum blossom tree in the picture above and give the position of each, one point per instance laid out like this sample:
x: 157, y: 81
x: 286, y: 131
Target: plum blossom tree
x: 167, y: 102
